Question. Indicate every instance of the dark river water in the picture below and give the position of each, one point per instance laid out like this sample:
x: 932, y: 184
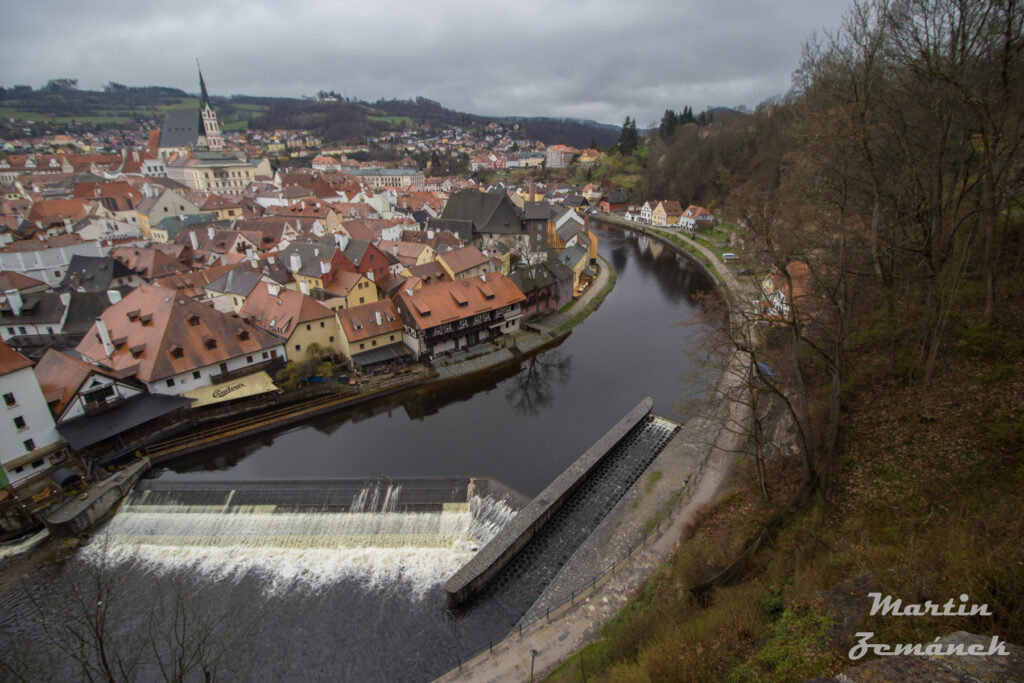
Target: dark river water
x: 304, y: 613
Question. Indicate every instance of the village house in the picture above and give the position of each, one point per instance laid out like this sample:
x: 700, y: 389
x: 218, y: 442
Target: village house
x: 452, y: 316
x: 31, y: 443
x: 666, y: 213
x: 173, y: 344
x: 297, y: 318
x: 467, y: 262
x: 547, y: 286
x: 372, y: 335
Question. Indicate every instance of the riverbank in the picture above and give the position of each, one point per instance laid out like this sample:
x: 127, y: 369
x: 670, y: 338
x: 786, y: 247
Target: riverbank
x: 637, y: 537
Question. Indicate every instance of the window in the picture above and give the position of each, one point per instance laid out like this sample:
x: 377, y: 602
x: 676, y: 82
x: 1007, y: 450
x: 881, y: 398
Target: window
x: 298, y: 347
x: 392, y: 337
x: 362, y: 300
x: 373, y: 343
x: 321, y: 324
x: 332, y: 340
x: 170, y: 382
x: 29, y: 444
x: 248, y: 359
x: 362, y: 346
x: 266, y: 355
x: 22, y: 330
x: 10, y: 400
x: 36, y: 464
x: 196, y: 375
x: 308, y: 327
x: 10, y: 330
x: 19, y: 422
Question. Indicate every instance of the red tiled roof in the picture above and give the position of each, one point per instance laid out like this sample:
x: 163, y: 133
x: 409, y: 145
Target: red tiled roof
x: 444, y: 302
x: 11, y: 360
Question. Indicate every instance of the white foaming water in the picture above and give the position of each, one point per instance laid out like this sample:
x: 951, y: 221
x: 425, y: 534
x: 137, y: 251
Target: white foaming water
x: 305, y: 549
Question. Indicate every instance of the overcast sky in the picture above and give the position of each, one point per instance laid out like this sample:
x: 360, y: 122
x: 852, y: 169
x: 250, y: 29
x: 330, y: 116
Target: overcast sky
x: 586, y: 59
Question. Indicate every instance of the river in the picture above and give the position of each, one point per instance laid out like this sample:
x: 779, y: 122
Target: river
x: 300, y: 614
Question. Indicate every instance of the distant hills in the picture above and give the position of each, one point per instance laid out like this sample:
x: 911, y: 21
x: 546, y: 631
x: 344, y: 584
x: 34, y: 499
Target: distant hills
x: 60, y: 107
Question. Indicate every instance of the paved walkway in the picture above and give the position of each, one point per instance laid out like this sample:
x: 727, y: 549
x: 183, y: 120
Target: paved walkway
x: 696, y: 465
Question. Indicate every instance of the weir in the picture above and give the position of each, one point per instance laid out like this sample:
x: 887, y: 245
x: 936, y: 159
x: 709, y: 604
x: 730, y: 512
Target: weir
x: 310, y: 532
x: 519, y: 562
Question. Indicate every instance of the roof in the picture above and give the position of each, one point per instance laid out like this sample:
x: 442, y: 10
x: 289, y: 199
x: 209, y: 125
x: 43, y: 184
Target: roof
x: 82, y: 432
x: 461, y: 260
x: 490, y: 212
x: 149, y: 263
x: 361, y: 322
x: 11, y: 360
x: 10, y: 279
x: 93, y: 273
x: 161, y: 333
x: 573, y: 255
x: 444, y: 302
x: 181, y: 128
x: 42, y: 307
x: 381, y: 354
x: 616, y: 197
x: 281, y: 310
x: 61, y: 375
x: 239, y: 280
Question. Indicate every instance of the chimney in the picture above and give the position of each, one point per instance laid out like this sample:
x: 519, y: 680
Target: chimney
x: 430, y: 234
x: 304, y: 287
x: 14, y: 299
x: 65, y: 299
x: 273, y: 288
x: 342, y: 242
x: 101, y: 328
x: 380, y: 320
x: 113, y: 296
x: 210, y: 231
x: 325, y: 267
x: 193, y: 239
x: 394, y: 250
x: 483, y: 277
x: 296, y: 262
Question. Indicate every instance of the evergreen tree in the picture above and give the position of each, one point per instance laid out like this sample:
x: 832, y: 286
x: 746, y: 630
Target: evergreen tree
x: 668, y: 124
x: 628, y: 139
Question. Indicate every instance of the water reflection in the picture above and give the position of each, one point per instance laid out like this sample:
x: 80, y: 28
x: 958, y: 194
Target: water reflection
x: 533, y: 389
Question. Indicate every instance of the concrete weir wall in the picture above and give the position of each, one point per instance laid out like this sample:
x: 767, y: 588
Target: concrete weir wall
x: 476, y: 573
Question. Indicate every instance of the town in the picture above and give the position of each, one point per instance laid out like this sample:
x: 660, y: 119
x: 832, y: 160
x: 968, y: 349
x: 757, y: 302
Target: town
x: 147, y: 274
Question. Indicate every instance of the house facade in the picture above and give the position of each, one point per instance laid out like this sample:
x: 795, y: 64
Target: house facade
x: 29, y: 436
x: 451, y: 316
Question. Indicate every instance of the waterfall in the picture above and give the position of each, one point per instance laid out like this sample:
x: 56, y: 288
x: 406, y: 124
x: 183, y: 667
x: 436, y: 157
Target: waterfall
x: 378, y: 541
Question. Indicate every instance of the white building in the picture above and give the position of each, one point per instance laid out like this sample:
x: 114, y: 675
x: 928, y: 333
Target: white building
x: 29, y: 438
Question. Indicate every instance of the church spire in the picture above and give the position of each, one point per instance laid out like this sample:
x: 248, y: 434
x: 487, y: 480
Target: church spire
x: 202, y: 86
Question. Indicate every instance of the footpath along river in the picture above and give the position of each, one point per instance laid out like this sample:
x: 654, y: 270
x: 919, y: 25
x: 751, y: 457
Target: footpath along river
x: 297, y: 614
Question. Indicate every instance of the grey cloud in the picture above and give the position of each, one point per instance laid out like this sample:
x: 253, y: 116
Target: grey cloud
x: 595, y: 59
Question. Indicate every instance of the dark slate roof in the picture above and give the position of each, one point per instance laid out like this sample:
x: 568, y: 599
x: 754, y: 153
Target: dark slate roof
x: 92, y: 273
x: 42, y: 308
x: 381, y: 355
x: 616, y: 197
x: 310, y: 254
x: 84, y: 308
x: 181, y: 128
x: 568, y: 229
x: 238, y: 281
x: 575, y: 200
x: 533, y: 211
x: 573, y: 255
x: 490, y: 212
x: 355, y: 250
x: 82, y: 432
x: 463, y: 229
x: 530, y: 278
x: 175, y: 225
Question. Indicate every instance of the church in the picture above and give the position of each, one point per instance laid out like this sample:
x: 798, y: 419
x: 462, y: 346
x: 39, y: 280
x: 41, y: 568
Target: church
x: 188, y: 129
x: 192, y: 147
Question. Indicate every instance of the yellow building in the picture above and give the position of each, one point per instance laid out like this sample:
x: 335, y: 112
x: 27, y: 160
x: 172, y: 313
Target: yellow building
x: 295, y: 317
x: 369, y: 328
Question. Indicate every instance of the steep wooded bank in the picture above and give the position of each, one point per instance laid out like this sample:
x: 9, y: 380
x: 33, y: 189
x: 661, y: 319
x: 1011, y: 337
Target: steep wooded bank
x: 885, y: 190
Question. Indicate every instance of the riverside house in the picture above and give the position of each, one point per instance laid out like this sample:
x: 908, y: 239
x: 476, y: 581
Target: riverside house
x: 453, y: 316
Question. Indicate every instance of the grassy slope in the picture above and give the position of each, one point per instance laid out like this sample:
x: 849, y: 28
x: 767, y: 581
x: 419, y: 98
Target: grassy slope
x: 926, y: 501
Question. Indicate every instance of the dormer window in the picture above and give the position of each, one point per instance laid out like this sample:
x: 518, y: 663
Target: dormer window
x: 137, y: 350
x: 133, y: 315
x: 193, y: 320
x: 145, y: 319
x: 210, y: 342
x: 176, y: 351
x: 242, y: 333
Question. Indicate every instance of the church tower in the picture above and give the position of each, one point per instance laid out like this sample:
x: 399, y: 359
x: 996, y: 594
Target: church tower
x: 208, y: 117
